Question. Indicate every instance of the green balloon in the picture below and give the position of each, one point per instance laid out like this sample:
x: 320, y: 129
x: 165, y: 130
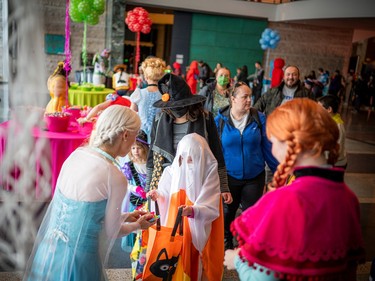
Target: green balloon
x: 75, y: 15
x: 92, y: 19
x: 84, y: 8
x: 75, y: 2
x: 99, y: 6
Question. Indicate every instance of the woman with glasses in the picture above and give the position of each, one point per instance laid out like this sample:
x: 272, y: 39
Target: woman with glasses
x: 246, y: 149
x: 217, y: 92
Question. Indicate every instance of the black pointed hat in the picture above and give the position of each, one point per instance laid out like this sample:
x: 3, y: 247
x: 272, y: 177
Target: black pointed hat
x: 175, y: 93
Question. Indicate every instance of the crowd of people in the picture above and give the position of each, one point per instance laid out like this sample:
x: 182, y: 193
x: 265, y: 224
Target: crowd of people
x: 211, y: 145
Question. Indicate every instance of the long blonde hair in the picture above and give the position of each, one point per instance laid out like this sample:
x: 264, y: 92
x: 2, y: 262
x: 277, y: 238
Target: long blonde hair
x: 306, y: 127
x: 113, y: 121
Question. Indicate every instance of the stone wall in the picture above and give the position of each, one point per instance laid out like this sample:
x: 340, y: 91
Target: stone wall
x: 54, y: 23
x: 311, y: 47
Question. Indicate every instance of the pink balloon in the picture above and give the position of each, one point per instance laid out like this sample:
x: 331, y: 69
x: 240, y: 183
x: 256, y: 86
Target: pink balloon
x: 132, y: 18
x: 143, y: 13
x: 146, y: 29
x: 142, y: 20
x: 137, y: 10
x: 137, y: 27
x: 138, y: 20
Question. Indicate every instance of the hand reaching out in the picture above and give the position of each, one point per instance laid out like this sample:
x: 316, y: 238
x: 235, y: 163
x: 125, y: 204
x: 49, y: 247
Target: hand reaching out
x: 144, y: 221
x: 229, y: 258
x: 134, y: 216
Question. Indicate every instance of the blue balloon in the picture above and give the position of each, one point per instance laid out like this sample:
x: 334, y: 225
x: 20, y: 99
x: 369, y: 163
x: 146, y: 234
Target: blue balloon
x: 270, y: 39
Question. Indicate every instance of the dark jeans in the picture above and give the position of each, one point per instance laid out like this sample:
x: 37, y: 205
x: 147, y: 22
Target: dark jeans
x: 244, y: 192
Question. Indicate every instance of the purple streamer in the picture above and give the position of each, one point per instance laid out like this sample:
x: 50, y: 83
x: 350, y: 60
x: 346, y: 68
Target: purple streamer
x: 68, y: 54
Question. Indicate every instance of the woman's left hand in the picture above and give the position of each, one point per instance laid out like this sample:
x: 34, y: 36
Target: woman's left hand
x: 187, y: 210
x: 229, y: 258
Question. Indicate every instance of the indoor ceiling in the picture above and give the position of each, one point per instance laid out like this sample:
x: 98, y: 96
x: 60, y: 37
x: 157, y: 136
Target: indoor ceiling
x: 352, y: 23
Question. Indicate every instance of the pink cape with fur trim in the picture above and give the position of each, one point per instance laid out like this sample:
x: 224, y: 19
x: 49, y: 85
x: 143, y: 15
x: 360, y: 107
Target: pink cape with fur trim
x: 309, y: 228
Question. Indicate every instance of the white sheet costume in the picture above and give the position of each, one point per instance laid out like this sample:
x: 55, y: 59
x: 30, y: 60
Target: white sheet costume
x: 193, y: 179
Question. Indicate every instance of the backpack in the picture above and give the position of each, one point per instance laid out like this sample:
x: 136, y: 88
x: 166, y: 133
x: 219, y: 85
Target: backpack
x: 253, y: 112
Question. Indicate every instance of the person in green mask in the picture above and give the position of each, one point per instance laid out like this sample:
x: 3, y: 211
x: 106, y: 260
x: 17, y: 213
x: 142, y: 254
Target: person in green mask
x: 217, y: 92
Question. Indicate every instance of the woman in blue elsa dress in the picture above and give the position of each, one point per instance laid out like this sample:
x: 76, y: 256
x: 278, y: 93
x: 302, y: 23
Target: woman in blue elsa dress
x: 87, y: 201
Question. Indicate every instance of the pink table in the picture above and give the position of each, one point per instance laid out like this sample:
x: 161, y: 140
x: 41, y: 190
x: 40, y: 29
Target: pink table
x: 53, y: 146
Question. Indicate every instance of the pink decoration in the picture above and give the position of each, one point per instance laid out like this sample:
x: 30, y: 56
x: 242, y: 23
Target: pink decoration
x: 138, y: 20
x: 68, y: 54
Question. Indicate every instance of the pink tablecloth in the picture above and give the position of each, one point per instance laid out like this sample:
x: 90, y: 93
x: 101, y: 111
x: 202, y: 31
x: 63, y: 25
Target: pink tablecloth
x: 56, y: 147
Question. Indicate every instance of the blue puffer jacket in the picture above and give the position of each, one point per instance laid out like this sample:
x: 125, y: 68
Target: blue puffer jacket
x: 245, y: 155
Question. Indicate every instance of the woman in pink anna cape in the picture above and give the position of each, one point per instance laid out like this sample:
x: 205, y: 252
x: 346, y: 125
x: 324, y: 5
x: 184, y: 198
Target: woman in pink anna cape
x: 310, y: 229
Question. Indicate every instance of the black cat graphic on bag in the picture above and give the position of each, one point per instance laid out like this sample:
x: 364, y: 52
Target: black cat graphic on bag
x: 164, y: 268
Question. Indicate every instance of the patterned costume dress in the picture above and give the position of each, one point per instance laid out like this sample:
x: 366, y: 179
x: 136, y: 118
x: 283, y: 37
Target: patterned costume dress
x: 134, y: 199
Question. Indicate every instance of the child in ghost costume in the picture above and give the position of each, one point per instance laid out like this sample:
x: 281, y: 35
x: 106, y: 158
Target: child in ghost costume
x: 192, y: 182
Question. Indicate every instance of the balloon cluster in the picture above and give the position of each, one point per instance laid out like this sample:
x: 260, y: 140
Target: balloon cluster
x: 270, y: 39
x: 138, y: 20
x: 86, y: 10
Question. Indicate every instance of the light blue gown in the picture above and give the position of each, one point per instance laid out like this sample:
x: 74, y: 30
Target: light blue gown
x: 146, y: 111
x: 67, y: 248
